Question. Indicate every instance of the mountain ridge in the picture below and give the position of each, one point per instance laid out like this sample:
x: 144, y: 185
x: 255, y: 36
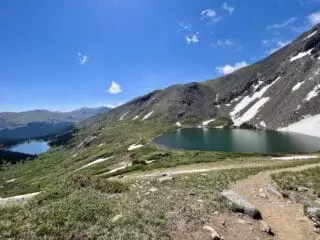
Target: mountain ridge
x: 19, y: 119
x: 273, y: 93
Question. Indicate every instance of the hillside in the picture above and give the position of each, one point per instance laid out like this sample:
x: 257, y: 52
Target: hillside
x: 18, y: 119
x: 277, y: 92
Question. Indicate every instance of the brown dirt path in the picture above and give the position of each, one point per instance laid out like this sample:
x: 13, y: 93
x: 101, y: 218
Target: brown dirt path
x: 286, y: 218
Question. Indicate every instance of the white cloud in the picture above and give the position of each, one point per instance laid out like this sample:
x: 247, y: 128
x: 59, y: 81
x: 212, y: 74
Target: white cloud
x: 209, y: 15
x: 279, y: 45
x: 229, y: 43
x: 82, y: 59
x: 115, y: 88
x: 283, y: 24
x: 314, y: 18
x: 192, y: 39
x: 230, y: 9
x: 184, y: 26
x: 227, y: 69
x: 109, y: 105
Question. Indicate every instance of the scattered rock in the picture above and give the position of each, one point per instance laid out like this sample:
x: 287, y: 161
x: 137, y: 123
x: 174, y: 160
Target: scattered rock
x: 116, y: 218
x: 317, y: 201
x: 242, y: 221
x: 294, y: 197
x: 165, y: 179
x: 262, y: 194
x: 265, y: 227
x: 274, y: 191
x: 238, y: 200
x: 223, y: 223
x: 214, y: 234
x: 153, y: 189
x: 312, y: 211
x: 302, y: 189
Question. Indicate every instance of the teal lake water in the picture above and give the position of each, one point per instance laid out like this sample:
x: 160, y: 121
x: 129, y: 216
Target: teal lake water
x: 238, y: 140
x: 32, y: 147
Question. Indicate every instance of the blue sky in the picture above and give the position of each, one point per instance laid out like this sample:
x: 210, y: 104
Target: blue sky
x: 62, y: 55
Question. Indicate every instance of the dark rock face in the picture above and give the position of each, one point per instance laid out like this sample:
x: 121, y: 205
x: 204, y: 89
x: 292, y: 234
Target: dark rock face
x: 273, y: 91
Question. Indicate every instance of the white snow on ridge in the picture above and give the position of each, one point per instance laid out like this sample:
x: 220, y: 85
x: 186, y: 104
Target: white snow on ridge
x: 263, y: 124
x: 147, y: 116
x: 136, y: 117
x: 314, y: 92
x: 252, y: 112
x: 100, y: 160
x: 249, y: 99
x: 18, y: 198
x: 309, y: 126
x: 11, y: 180
x: 134, y: 146
x: 312, y: 34
x: 123, y: 115
x: 297, y: 86
x: 119, y: 168
x: 258, y: 85
x: 297, y: 157
x: 205, y: 123
x: 301, y: 55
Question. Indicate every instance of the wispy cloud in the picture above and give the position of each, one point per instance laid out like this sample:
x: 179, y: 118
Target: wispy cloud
x: 209, y: 15
x: 192, y: 39
x: 115, y: 88
x: 82, y: 59
x: 184, y: 27
x: 228, y: 8
x: 279, y: 45
x: 110, y: 105
x: 227, y: 69
x: 227, y: 43
x: 282, y: 25
x: 314, y: 18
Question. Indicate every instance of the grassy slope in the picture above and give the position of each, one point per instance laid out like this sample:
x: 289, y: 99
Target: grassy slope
x: 76, y: 205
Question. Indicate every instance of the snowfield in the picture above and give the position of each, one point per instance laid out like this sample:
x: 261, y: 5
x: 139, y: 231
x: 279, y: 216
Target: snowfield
x: 249, y: 99
x: 312, y: 34
x: 17, y: 199
x: 122, y: 117
x: 134, y: 146
x: 205, y: 123
x: 297, y: 157
x: 297, y: 86
x: 301, y: 55
x: 309, y: 125
x: 147, y: 116
x: 314, y: 92
x: 100, y: 160
x: 252, y: 112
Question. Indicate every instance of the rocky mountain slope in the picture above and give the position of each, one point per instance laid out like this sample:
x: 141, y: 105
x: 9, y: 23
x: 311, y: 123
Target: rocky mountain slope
x: 279, y: 92
x: 13, y: 119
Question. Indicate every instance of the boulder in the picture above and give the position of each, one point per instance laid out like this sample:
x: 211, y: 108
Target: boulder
x: 265, y: 227
x: 214, y: 235
x: 247, y: 207
x: 116, y: 218
x: 302, y: 189
x: 165, y: 179
x: 312, y: 211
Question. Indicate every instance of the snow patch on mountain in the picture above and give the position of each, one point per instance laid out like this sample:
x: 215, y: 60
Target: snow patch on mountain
x: 310, y: 125
x: 147, y: 116
x: 178, y: 124
x: 123, y: 115
x: 301, y: 55
x: 249, y: 99
x: 134, y: 146
x: 252, y: 112
x: 314, y: 92
x: 297, y: 86
x: 136, y: 117
x: 205, y: 123
x: 312, y: 34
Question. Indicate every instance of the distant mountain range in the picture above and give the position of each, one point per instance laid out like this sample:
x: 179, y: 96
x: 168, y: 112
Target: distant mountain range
x: 20, y: 119
x: 281, y: 92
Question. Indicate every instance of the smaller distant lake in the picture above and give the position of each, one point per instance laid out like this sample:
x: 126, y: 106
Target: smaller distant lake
x: 32, y: 147
x: 238, y: 140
